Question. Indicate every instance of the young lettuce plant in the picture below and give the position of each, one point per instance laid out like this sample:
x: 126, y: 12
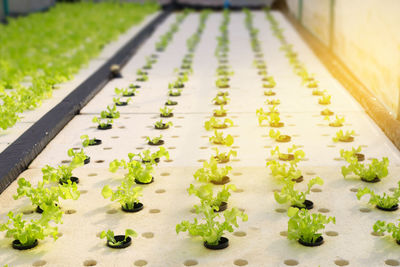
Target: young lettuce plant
x: 169, y: 102
x: 211, y: 173
x: 117, y: 101
x: 338, y: 122
x: 212, y: 230
x: 327, y: 112
x: 272, y: 102
x: 45, y: 198
x: 174, y: 92
x: 221, y: 112
x: 272, y: 118
x: 344, y: 137
x: 141, y: 72
x: 206, y: 194
x: 318, y: 92
x: 142, y: 78
x: 354, y: 152
x: 214, y: 123
x: 220, y: 100
x: 26, y: 234
x: 223, y: 157
x: 382, y: 227
x: 155, y: 141
x: 222, y: 93
x: 79, y: 156
x: 284, y: 171
x: 118, y: 241
x: 110, y: 113
x: 127, y: 194
x: 278, y: 137
x: 296, y: 198
x: 222, y: 82
x: 304, y: 226
x: 63, y: 173
x: 127, y: 92
x: 219, y: 139
x: 140, y: 172
x: 325, y: 100
x: 166, y: 112
x: 294, y: 154
x: 269, y: 93
x: 269, y: 82
x: 383, y: 202
x: 147, y: 157
x: 102, y: 123
x: 86, y: 141
x: 371, y: 173
x: 160, y: 125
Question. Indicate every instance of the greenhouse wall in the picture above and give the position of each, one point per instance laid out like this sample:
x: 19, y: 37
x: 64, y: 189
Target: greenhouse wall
x: 2, y: 16
x: 18, y: 7
x: 372, y: 53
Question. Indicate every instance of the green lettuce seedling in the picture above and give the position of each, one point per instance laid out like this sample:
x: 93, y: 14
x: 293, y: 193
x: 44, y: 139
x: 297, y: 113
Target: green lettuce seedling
x: 47, y: 197
x: 214, y: 123
x: 110, y: 113
x: 138, y: 171
x: 294, y: 154
x: 148, y: 157
x: 277, y: 136
x: 221, y: 112
x: 382, y: 227
x: 206, y: 194
x: 125, y: 91
x: 219, y: 139
x: 27, y: 233
x: 272, y: 101
x: 294, y: 197
x: 77, y: 156
x: 344, y: 137
x: 368, y: 172
x: 86, y: 141
x: 213, y: 228
x: 318, y: 92
x: 350, y: 153
x: 102, y: 122
x: 63, y: 173
x: 338, y: 122
x: 220, y: 100
x: 118, y: 101
x: 127, y: 194
x: 142, y: 78
x: 325, y: 100
x: 109, y: 235
x: 154, y: 140
x: 284, y: 171
x: 305, y: 226
x: 223, y: 157
x: 174, y: 92
x: 272, y: 118
x: 383, y: 201
x: 211, y: 172
x: 270, y: 82
x: 165, y: 111
x: 140, y: 72
x: 222, y: 82
x: 162, y: 125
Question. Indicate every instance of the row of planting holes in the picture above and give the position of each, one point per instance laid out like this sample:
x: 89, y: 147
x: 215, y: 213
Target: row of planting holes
x: 238, y: 262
